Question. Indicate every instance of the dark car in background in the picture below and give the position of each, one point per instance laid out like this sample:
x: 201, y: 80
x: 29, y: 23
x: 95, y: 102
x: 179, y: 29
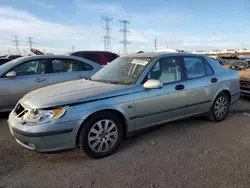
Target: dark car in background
x: 4, y: 60
x: 100, y: 57
x: 13, y: 56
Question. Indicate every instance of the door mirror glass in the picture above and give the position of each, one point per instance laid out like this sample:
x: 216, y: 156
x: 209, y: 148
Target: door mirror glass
x: 11, y: 74
x: 153, y: 84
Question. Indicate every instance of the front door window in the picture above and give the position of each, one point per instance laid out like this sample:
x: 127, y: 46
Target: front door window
x: 167, y: 70
x: 31, y: 68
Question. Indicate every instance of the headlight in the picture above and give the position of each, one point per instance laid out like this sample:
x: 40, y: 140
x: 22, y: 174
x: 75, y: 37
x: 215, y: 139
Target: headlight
x: 43, y: 116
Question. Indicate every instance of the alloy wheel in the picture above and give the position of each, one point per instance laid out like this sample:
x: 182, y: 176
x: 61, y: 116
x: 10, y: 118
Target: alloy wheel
x: 103, y: 135
x: 221, y: 107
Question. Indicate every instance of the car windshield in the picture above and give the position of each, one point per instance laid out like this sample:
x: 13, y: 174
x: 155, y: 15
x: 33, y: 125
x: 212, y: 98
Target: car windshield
x: 123, y: 70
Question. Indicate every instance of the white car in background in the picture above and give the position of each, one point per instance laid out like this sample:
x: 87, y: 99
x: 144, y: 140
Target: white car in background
x: 22, y: 75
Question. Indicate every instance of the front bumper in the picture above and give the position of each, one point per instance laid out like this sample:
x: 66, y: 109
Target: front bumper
x: 51, y: 136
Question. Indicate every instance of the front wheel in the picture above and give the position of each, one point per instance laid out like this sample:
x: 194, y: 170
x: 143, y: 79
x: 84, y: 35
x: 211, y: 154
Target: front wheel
x: 101, y: 135
x: 220, y: 108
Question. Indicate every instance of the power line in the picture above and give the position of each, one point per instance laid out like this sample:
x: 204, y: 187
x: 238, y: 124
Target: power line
x: 107, y: 37
x: 16, y: 43
x: 155, y: 43
x: 30, y: 42
x: 125, y: 32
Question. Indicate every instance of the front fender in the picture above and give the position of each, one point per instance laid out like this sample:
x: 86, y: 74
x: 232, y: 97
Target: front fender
x: 119, y: 109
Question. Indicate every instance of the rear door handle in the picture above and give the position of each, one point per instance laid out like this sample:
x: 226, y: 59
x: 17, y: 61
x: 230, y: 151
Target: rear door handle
x: 40, y: 80
x: 214, y: 80
x: 179, y: 87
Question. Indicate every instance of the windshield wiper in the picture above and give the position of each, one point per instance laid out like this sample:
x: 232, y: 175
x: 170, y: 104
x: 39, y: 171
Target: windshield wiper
x: 108, y: 81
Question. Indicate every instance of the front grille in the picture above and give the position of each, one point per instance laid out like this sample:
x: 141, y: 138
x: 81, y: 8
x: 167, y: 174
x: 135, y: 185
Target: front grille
x: 20, y: 111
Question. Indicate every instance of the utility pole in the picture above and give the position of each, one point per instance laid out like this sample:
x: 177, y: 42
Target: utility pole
x: 155, y: 42
x: 23, y: 52
x: 16, y: 43
x: 125, y: 32
x: 30, y: 42
x: 107, y: 37
x: 9, y: 51
x: 73, y: 48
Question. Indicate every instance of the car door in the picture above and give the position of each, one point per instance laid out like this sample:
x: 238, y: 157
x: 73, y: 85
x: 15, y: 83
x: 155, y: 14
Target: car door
x: 30, y: 75
x: 156, y: 106
x: 68, y: 69
x: 202, y: 84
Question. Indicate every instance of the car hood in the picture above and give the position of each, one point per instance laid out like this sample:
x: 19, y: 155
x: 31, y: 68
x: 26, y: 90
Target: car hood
x: 73, y: 92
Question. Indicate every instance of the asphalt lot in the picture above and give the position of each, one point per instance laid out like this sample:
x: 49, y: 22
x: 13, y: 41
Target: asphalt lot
x: 190, y: 153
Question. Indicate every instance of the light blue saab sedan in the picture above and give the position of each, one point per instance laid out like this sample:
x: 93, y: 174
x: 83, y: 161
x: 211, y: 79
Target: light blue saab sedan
x: 132, y: 93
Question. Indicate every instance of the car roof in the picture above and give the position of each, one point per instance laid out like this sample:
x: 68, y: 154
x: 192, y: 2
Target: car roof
x: 159, y: 54
x: 50, y: 56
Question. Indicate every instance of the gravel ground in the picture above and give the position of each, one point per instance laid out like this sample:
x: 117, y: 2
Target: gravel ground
x: 190, y: 153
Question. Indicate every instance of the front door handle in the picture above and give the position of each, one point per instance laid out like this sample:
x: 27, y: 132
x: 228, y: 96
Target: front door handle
x: 214, y: 80
x: 179, y: 87
x: 40, y: 80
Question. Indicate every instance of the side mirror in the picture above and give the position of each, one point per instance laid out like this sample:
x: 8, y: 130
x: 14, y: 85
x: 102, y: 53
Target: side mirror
x: 11, y: 74
x: 153, y: 84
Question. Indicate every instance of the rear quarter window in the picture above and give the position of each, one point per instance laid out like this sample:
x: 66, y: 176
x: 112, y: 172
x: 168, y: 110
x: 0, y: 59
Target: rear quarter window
x: 215, y: 62
x: 209, y: 69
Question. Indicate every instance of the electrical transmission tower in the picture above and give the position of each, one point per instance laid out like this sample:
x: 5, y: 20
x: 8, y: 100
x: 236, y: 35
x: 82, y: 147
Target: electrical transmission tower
x: 16, y: 43
x: 155, y: 42
x: 30, y: 41
x: 107, y: 37
x: 125, y: 32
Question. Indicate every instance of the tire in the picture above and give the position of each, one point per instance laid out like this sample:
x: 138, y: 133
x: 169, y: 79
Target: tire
x: 101, y: 135
x: 220, y: 108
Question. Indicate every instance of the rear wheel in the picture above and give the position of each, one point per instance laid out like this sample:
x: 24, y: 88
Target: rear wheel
x: 101, y: 135
x: 220, y: 108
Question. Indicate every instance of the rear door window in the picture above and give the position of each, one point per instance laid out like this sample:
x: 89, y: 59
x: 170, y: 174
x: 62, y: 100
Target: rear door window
x: 69, y: 65
x: 195, y: 67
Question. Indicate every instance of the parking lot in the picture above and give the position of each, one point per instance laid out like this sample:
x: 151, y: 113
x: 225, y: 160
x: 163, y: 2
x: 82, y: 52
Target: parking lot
x: 187, y: 153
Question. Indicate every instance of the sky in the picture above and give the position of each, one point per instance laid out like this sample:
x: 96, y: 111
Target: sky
x: 56, y: 25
